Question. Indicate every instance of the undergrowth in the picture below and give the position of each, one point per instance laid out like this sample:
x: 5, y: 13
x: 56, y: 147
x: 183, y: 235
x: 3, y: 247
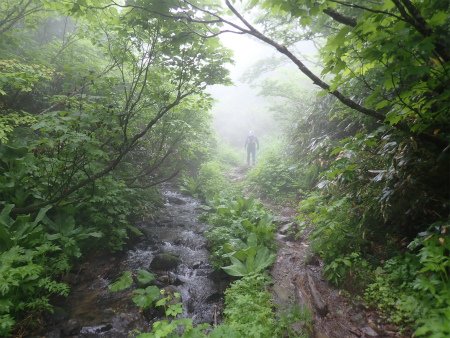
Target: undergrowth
x: 410, y: 288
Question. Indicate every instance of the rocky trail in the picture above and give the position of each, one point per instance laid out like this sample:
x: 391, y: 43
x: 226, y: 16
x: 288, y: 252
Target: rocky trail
x: 298, y: 279
x: 92, y: 310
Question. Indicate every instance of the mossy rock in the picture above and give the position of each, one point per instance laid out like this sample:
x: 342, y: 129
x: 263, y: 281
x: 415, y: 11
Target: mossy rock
x: 165, y: 262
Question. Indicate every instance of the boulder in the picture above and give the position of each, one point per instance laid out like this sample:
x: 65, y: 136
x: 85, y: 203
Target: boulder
x: 368, y: 331
x: 165, y: 262
x: 175, y: 200
x: 316, y: 297
x: 285, y: 227
x: 282, y: 219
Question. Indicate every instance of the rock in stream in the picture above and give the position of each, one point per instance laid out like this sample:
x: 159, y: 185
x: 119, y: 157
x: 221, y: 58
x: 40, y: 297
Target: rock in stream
x: 173, y: 248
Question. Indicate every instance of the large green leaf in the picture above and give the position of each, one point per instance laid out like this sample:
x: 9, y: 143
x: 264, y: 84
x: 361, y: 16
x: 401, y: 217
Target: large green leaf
x: 145, y: 298
x: 145, y: 277
x: 122, y: 283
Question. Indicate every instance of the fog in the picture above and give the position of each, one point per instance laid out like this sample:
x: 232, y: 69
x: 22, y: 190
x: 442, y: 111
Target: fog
x: 239, y: 109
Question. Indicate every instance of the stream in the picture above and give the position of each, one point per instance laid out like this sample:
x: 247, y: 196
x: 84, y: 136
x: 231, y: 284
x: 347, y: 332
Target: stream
x: 92, y: 310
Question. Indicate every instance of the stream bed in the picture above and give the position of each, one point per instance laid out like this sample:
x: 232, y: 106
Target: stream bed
x: 92, y: 310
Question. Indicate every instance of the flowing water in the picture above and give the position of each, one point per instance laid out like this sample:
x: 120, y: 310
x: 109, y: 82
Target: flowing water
x: 92, y: 310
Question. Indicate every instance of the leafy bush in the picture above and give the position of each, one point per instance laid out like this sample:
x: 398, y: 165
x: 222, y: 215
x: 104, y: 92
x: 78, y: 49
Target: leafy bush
x: 237, y: 220
x: 113, y: 219
x: 351, y: 271
x: 415, y: 289
x: 294, y: 314
x: 247, y: 258
x: 189, y: 185
x: 336, y: 232
x: 249, y: 307
x: 211, y: 180
x: 279, y: 177
x: 227, y: 155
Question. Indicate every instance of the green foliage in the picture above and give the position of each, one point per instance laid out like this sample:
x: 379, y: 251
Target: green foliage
x: 6, y: 324
x: 277, y: 176
x: 122, y: 283
x: 237, y: 222
x: 188, y: 185
x: 227, y: 155
x: 351, y: 271
x: 153, y: 296
x: 414, y: 288
x: 247, y: 258
x: 336, y: 233
x: 253, y: 263
x: 249, y: 307
x: 144, y: 277
x: 293, y: 315
x: 211, y: 180
x: 145, y: 298
x: 25, y: 284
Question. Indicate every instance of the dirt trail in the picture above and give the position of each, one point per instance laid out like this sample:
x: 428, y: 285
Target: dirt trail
x: 298, y: 279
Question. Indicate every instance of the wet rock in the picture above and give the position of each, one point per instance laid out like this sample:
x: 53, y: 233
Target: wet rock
x: 312, y: 259
x: 321, y: 335
x: 219, y: 275
x: 282, y: 293
x: 372, y: 324
x: 197, y: 265
x: 58, y: 314
x: 285, y: 227
x: 357, y: 304
x: 291, y: 237
x: 125, y: 322
x: 71, y: 278
x: 391, y: 327
x: 175, y: 200
x: 282, y: 219
x: 316, y: 297
x: 164, y: 261
x: 299, y: 327
x: 214, y: 298
x: 334, y: 294
x: 359, y: 318
x: 71, y: 328
x: 368, y: 331
x: 301, y: 296
x: 280, y: 237
x: 95, y: 330
x: 161, y: 281
x: 56, y: 333
x: 287, y: 212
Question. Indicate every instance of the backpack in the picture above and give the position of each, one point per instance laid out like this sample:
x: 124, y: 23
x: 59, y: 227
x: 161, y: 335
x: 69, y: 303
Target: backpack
x: 251, y: 139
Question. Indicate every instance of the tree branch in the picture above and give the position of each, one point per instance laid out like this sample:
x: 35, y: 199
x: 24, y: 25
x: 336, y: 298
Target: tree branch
x: 341, y: 18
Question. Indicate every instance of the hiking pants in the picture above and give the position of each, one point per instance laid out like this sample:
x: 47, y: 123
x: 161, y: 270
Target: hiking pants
x: 252, y: 151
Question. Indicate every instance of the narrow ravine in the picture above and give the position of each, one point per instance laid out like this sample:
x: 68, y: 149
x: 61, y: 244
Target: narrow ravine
x: 92, y: 310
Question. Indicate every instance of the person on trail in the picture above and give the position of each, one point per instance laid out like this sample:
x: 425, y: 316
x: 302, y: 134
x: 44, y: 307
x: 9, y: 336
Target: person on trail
x: 252, y: 144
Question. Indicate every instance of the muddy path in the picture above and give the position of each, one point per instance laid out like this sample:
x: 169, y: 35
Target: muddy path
x: 298, y: 279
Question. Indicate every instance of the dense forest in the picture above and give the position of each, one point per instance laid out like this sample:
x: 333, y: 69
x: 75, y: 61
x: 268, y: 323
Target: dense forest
x: 101, y: 102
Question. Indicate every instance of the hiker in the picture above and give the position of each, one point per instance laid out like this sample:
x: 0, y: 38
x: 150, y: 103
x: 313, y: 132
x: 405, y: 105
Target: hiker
x: 251, y: 142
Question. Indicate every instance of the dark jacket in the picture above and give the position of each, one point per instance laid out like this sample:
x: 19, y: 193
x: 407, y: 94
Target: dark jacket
x: 251, y: 142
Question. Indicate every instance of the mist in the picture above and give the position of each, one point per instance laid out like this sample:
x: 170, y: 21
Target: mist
x: 240, y: 108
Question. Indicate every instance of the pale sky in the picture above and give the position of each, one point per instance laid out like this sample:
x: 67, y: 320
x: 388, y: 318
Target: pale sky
x: 238, y: 106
